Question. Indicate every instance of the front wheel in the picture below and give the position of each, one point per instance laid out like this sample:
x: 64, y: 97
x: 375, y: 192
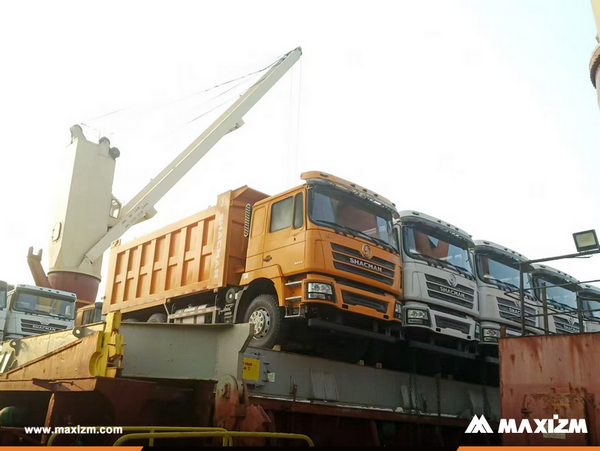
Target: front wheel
x: 266, y: 316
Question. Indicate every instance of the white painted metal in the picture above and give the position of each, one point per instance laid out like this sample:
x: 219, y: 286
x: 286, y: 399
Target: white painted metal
x: 142, y: 205
x: 81, y: 215
x: 437, y: 289
x: 494, y: 303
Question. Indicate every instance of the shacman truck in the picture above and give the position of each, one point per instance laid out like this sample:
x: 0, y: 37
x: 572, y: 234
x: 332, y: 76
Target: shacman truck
x: 561, y: 296
x: 29, y: 310
x: 497, y: 272
x: 321, y: 255
x: 439, y: 292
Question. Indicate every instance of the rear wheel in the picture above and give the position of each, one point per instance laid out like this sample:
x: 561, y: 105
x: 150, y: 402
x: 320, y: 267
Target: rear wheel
x: 266, y: 316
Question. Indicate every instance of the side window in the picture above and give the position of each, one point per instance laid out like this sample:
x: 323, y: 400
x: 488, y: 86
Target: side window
x: 281, y: 214
x: 298, y: 211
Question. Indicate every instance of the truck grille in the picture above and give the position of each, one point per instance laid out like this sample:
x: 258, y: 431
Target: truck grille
x: 439, y: 288
x: 563, y: 326
x: 509, y: 310
x: 31, y: 326
x: 350, y: 260
x: 446, y: 323
x: 357, y: 299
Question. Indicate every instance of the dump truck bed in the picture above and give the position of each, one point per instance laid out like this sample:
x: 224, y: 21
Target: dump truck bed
x: 202, y: 252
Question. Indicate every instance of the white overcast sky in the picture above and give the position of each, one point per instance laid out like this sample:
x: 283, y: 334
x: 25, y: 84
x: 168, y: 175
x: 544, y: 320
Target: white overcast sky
x: 478, y: 112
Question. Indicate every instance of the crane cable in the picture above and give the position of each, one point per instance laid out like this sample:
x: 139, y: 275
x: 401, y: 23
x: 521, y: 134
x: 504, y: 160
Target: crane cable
x: 242, y: 79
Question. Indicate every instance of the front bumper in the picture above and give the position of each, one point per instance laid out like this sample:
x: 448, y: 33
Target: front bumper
x: 463, y: 328
x: 346, y: 296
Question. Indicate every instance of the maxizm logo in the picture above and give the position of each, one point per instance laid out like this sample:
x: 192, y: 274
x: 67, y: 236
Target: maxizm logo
x: 544, y: 426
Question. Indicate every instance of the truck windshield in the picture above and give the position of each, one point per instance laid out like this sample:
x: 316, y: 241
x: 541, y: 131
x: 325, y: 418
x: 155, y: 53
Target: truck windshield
x: 503, y: 272
x: 424, y: 242
x: 331, y: 207
x: 47, y: 306
x: 565, y: 296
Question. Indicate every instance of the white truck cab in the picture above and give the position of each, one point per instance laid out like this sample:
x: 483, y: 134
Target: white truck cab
x: 439, y: 288
x: 561, y: 295
x: 30, y: 310
x: 497, y: 272
x: 590, y: 301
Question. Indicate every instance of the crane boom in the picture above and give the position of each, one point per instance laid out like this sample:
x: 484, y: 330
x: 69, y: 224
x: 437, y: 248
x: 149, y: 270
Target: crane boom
x: 142, y: 205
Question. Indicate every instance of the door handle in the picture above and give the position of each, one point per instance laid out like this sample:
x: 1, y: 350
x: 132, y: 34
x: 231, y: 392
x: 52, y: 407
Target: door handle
x: 267, y: 258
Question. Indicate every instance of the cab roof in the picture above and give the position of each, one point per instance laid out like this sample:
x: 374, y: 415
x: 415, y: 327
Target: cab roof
x: 422, y: 217
x: 45, y: 290
x: 358, y: 190
x: 541, y: 269
x: 484, y: 244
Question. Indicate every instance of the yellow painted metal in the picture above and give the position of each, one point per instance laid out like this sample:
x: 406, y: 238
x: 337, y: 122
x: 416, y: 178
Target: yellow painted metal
x: 107, y: 360
x: 251, y: 371
x: 227, y: 436
x: 93, y: 350
x: 150, y: 429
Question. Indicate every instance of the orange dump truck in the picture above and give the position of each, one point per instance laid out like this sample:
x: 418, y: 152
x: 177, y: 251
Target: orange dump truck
x: 322, y: 255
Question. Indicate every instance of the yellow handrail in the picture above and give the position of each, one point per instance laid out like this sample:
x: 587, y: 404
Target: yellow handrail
x: 150, y: 429
x: 227, y: 436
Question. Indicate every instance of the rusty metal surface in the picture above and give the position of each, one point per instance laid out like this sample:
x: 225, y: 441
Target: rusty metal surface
x: 546, y: 375
x: 84, y: 286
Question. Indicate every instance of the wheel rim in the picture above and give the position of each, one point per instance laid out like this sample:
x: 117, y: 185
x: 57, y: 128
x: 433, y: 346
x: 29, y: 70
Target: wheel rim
x: 261, y: 320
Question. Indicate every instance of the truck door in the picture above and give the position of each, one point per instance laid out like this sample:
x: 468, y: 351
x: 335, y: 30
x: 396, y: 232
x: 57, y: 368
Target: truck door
x: 256, y: 238
x: 285, y: 233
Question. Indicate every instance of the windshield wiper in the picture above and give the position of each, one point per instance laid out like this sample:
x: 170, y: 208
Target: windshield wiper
x: 445, y: 264
x: 500, y: 282
x: 337, y: 227
x: 354, y: 233
x: 462, y: 270
x: 373, y: 239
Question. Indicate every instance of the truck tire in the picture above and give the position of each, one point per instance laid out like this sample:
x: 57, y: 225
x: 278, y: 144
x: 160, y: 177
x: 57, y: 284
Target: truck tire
x: 157, y: 318
x: 266, y: 316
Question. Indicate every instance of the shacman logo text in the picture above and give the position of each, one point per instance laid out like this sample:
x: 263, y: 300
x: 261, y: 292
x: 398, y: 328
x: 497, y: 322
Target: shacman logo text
x: 544, y: 426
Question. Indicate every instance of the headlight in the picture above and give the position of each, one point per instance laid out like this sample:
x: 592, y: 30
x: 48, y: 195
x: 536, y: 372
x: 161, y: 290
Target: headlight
x: 316, y: 290
x: 417, y: 314
x: 494, y: 333
x: 314, y: 287
x: 398, y: 310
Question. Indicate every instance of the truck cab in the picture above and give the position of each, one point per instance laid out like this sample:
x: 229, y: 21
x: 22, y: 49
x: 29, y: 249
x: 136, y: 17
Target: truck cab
x: 561, y: 295
x: 32, y: 310
x: 590, y: 302
x: 439, y: 289
x: 497, y: 269
x: 330, y: 247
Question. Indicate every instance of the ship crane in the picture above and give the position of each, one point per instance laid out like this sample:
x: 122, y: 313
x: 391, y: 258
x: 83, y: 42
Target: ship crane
x: 88, y: 218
